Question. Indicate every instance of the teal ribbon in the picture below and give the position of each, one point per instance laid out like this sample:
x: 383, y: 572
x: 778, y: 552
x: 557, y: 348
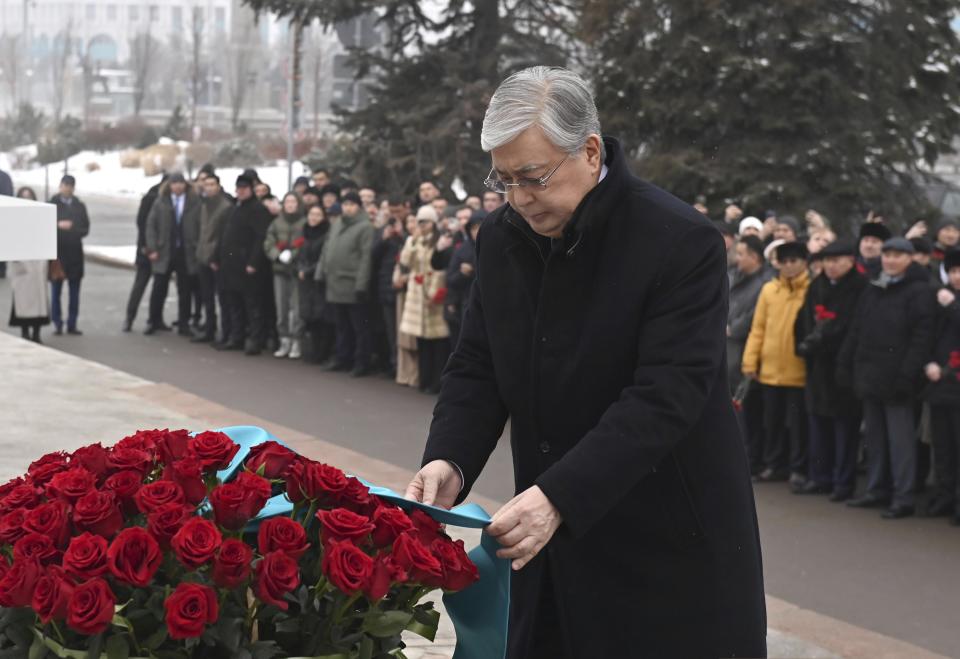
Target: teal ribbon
x: 479, y: 613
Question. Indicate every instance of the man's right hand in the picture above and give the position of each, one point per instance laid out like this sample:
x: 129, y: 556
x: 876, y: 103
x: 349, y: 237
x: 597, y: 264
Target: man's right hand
x: 437, y: 484
x: 65, y: 225
x: 153, y: 256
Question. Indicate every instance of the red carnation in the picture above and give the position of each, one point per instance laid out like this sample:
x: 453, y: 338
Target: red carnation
x: 315, y: 481
x: 282, y: 534
x: 277, y: 574
x: 121, y: 459
x: 16, y: 587
x: 125, y: 485
x: 188, y: 474
x: 196, y: 542
x: 42, y: 470
x: 342, y: 524
x: 93, y: 458
x: 214, y: 449
x: 98, y: 512
x: 91, y: 607
x: 50, y: 519
x: 189, y: 609
x: 422, y: 566
x: 274, y: 458
x: 35, y: 545
x: 389, y: 523
x: 347, y: 566
x: 458, y: 570
x: 51, y: 596
x: 134, y: 557
x: 164, y: 522
x: 231, y: 567
x: 152, y: 496
x: 86, y: 557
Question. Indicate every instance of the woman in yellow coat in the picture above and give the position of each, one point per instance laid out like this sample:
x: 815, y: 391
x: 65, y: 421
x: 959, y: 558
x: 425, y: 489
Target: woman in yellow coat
x: 770, y: 357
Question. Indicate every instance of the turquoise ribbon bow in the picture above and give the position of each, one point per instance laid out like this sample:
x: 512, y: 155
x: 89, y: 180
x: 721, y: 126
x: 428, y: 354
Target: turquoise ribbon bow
x: 480, y: 612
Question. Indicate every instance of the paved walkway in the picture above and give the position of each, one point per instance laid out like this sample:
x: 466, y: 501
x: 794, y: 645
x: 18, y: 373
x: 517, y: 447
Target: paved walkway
x: 55, y: 401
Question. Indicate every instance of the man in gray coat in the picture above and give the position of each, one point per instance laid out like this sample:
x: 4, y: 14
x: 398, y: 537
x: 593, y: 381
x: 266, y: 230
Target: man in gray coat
x: 173, y: 231
x: 345, y: 268
x: 213, y: 212
x: 748, y: 278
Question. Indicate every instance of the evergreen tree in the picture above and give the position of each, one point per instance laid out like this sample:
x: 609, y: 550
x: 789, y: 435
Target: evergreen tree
x: 830, y: 104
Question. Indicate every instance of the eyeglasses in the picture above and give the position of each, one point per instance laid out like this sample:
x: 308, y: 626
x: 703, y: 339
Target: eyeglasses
x: 493, y: 181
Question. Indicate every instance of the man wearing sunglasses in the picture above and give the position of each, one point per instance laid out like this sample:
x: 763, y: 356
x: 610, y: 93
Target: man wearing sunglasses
x: 597, y: 324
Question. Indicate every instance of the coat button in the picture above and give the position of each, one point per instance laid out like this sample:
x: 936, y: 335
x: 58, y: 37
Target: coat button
x: 543, y: 339
x: 544, y: 447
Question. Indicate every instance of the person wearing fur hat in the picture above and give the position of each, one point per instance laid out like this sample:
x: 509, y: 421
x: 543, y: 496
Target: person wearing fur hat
x: 770, y: 357
x: 883, y: 358
x: 943, y: 393
x: 821, y: 327
x: 869, y: 248
x: 946, y: 238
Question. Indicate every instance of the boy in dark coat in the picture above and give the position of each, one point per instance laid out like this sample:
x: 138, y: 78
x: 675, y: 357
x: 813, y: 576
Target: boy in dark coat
x: 821, y: 327
x: 943, y: 393
x: 883, y: 357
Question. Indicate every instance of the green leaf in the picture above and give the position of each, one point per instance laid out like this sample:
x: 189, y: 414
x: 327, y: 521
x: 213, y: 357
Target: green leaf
x: 366, y: 648
x: 156, y: 639
x: 265, y: 650
x: 425, y: 623
x: 58, y: 649
x: 386, y: 623
x: 117, y: 647
x: 288, y: 626
x: 37, y: 649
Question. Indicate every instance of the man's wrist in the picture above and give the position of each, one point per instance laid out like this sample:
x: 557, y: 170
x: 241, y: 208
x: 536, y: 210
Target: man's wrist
x: 459, y: 473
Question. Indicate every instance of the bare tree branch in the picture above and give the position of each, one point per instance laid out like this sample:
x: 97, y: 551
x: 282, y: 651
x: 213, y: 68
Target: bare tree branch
x: 142, y: 54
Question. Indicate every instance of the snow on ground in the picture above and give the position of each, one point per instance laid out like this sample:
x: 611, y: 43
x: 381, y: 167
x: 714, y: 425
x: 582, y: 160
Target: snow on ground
x: 116, y: 181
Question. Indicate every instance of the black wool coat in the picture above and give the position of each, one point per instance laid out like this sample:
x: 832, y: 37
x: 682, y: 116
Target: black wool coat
x: 242, y: 244
x: 946, y: 351
x: 312, y: 298
x: 146, y: 203
x: 890, y: 340
x: 70, y: 242
x: 819, y: 342
x: 606, y: 349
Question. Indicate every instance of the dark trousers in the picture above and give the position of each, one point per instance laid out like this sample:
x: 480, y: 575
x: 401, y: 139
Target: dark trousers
x: 832, y: 453
x: 353, y: 335
x: 389, y: 313
x: 785, y: 429
x: 318, y: 341
x: 140, y: 281
x: 234, y: 311
x: 207, y: 283
x: 432, y: 356
x: 945, y: 427
x: 751, y: 424
x: 891, y: 450
x: 197, y: 298
x: 255, y: 302
x: 161, y: 285
x: 73, y: 303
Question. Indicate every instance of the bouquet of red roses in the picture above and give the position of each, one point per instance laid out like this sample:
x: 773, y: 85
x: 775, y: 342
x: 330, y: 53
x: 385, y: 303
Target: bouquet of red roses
x: 141, y: 550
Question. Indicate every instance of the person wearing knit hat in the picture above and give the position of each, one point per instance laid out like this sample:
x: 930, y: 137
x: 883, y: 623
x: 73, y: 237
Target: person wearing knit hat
x: 427, y: 214
x: 872, y: 235
x: 301, y: 184
x: 770, y: 357
x: 943, y: 393
x: 351, y: 197
x: 329, y: 195
x: 750, y: 226
x: 788, y: 229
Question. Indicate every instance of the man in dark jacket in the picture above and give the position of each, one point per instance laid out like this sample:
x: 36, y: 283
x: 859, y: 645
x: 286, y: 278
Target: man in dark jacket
x: 240, y: 258
x: 213, y: 213
x: 820, y: 329
x: 73, y: 224
x: 460, y: 273
x: 173, y: 229
x: 748, y: 279
x: 144, y: 269
x: 883, y: 357
x: 943, y: 393
x: 386, y: 250
x: 596, y: 323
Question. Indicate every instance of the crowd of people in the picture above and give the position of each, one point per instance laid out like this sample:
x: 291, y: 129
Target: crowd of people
x: 845, y: 352
x: 329, y: 272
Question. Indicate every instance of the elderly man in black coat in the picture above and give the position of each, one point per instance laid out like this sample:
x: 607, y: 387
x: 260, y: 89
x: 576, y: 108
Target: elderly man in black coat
x: 597, y: 324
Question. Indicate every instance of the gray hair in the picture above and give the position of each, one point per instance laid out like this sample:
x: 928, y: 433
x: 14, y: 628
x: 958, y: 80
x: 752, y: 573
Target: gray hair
x: 553, y: 98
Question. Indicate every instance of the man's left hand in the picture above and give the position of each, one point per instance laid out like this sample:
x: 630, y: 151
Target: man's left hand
x: 524, y: 526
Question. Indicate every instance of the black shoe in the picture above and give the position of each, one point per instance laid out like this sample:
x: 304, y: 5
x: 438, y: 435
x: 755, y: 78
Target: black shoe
x: 840, y: 495
x: 771, y: 476
x: 74, y: 332
x: 333, y: 366
x: 361, y: 371
x: 939, y: 507
x: 811, y: 487
x: 202, y: 338
x: 252, y: 349
x: 150, y: 331
x: 955, y: 520
x: 868, y: 501
x: 163, y: 327
x: 228, y: 346
x: 127, y: 325
x: 58, y: 331
x: 185, y: 331
x: 897, y: 511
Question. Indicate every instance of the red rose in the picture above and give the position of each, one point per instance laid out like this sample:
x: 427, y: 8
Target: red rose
x: 35, y: 545
x: 428, y: 529
x: 98, y: 512
x: 142, y: 440
x: 277, y: 575
x: 314, y: 481
x: 214, y: 449
x: 42, y: 470
x: 86, y: 557
x: 196, y: 543
x: 418, y: 279
x: 458, y: 570
x: 232, y: 564
x: 346, y: 566
x: 93, y: 458
x: 190, y: 608
x: 386, y: 572
x: 282, y: 534
x: 51, y: 519
x: 281, y: 245
x: 356, y: 497
x: 10, y: 486
x: 440, y: 296
x: 274, y: 458
x: 91, y: 607
x: 134, y: 557
x: 164, y: 522
x: 71, y: 484
x: 419, y: 563
x: 22, y: 496
x: 173, y: 445
x: 954, y: 362
x: 121, y: 459
x: 152, y: 496
x: 125, y: 485
x: 11, y: 526
x: 343, y: 524
x: 235, y: 504
x: 299, y: 242
x: 51, y: 596
x: 16, y: 587
x: 390, y: 522
x: 188, y: 474
x: 4, y: 567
